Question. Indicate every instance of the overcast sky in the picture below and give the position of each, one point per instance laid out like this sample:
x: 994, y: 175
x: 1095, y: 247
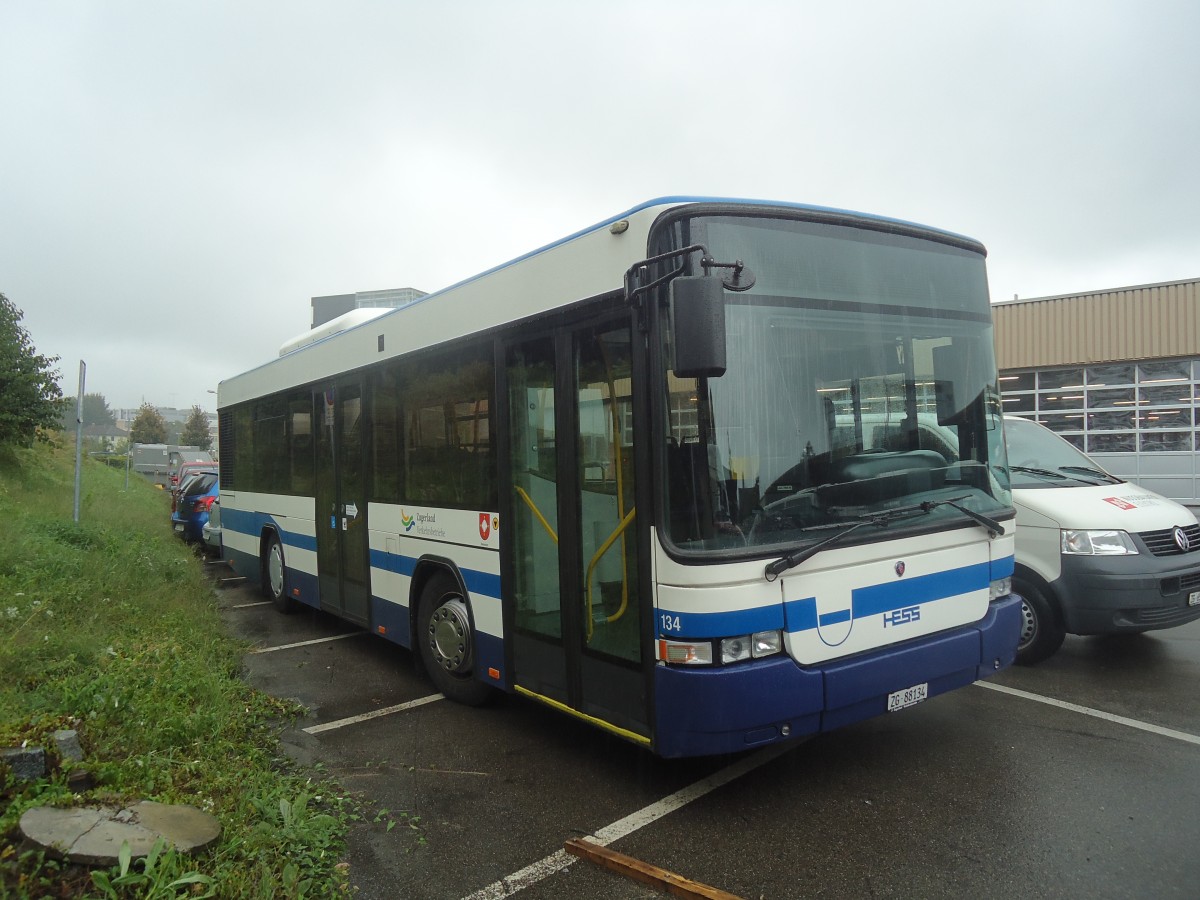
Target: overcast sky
x: 178, y: 179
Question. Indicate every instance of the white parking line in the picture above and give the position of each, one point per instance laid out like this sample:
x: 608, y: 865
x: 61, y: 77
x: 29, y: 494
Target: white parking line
x: 375, y: 714
x: 249, y: 605
x: 336, y: 637
x: 1095, y: 713
x: 560, y: 859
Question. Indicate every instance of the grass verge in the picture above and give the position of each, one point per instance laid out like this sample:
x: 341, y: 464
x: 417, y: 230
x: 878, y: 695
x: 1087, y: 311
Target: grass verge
x: 109, y: 627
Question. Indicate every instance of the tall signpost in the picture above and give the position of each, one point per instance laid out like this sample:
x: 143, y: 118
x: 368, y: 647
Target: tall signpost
x: 79, y: 433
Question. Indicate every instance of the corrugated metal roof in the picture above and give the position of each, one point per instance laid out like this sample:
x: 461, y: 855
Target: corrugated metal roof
x: 1141, y: 322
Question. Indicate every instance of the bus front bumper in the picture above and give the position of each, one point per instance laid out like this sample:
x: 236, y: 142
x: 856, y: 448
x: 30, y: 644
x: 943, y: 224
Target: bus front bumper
x: 705, y: 711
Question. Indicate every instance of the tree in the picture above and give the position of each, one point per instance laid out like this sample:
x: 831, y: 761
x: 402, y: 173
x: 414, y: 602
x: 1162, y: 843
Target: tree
x: 195, y: 430
x: 149, y: 427
x: 95, y: 412
x: 30, y: 398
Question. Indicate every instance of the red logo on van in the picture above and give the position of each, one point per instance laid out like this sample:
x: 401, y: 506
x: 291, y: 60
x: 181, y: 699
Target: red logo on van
x: 485, y: 526
x: 1119, y: 503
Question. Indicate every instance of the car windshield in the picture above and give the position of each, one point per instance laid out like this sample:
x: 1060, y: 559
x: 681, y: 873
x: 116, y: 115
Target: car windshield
x: 1039, y: 458
x: 860, y: 380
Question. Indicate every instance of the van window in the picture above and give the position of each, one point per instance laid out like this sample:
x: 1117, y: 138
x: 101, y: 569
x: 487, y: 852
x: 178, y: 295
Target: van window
x: 1038, y: 458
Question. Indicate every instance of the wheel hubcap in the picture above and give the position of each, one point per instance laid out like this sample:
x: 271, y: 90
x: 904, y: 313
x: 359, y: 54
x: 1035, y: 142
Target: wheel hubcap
x: 1028, y: 624
x: 450, y: 636
x: 275, y: 570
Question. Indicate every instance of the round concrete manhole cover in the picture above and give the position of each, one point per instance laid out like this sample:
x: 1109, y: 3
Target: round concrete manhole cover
x: 94, y: 835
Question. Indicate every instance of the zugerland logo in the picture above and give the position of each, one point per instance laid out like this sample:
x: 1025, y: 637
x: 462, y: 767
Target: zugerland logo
x: 421, y: 524
x: 902, y: 616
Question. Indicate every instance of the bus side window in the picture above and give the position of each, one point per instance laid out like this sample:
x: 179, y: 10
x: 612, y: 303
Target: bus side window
x: 447, y: 444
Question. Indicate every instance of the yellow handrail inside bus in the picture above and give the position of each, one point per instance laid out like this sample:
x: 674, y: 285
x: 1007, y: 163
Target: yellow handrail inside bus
x: 612, y: 538
x: 618, y: 464
x: 533, y: 508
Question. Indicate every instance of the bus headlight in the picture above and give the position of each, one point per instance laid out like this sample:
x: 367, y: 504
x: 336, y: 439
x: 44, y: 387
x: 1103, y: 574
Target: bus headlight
x: 1001, y: 587
x: 1097, y: 543
x: 747, y: 646
x: 767, y: 643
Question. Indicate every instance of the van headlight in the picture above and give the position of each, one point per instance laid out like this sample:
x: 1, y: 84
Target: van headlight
x: 1097, y: 543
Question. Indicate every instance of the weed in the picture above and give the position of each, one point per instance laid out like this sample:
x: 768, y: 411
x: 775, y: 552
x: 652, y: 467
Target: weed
x: 159, y: 876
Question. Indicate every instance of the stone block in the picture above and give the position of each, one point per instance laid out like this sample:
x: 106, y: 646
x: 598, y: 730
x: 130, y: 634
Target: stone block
x: 27, y: 763
x: 67, y: 742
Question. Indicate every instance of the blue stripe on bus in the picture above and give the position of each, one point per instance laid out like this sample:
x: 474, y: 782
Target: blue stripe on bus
x: 801, y: 615
x: 483, y: 583
x: 673, y: 624
x: 252, y: 524
x: 393, y: 562
x: 1003, y: 568
x: 842, y: 615
x: 885, y: 598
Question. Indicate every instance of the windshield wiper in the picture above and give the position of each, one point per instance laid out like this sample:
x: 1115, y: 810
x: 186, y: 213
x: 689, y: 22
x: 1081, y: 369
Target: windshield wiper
x: 1045, y: 473
x: 879, y: 520
x: 1088, y: 470
x: 781, y: 565
x: 993, y: 527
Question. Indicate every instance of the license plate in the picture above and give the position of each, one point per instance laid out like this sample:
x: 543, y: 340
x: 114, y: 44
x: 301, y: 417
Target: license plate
x: 1194, y: 598
x: 907, y: 697
x: 178, y: 527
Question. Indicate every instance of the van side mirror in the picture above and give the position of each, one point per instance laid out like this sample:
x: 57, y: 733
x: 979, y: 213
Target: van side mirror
x: 698, y: 326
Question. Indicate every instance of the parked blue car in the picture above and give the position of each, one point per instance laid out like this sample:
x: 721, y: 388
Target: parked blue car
x: 196, y: 499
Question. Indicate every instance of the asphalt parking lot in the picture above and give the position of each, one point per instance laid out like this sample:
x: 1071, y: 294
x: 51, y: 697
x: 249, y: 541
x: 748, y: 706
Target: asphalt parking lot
x: 1076, y: 778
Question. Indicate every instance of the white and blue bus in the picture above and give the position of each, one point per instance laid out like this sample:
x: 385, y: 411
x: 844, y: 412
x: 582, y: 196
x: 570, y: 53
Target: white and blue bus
x: 664, y: 474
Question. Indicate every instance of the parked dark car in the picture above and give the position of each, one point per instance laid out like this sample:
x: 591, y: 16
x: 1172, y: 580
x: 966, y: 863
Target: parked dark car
x: 186, y: 469
x: 196, y: 498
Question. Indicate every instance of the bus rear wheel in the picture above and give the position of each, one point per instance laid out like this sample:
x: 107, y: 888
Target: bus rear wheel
x: 274, y: 584
x: 447, y: 642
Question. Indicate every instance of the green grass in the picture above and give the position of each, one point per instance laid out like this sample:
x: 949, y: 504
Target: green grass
x: 109, y: 627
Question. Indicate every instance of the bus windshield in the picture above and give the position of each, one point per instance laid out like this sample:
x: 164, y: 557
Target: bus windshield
x: 860, y: 380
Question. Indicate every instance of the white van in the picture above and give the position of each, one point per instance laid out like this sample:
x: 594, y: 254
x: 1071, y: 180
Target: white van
x: 1095, y: 554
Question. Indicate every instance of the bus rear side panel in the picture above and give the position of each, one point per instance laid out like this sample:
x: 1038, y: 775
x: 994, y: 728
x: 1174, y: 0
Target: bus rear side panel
x: 246, y: 517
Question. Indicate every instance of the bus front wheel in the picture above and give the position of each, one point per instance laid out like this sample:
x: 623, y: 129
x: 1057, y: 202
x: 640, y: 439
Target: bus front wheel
x: 447, y: 642
x: 273, y: 582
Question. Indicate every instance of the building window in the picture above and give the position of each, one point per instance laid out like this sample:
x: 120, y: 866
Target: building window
x: 1147, y: 407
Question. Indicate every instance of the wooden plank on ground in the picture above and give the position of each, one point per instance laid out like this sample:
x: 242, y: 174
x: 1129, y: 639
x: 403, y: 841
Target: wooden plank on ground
x: 675, y: 885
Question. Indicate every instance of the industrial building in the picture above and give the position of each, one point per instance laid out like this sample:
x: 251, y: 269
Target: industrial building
x: 1115, y: 372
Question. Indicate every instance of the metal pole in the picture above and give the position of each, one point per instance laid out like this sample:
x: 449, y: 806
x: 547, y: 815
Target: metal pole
x: 79, y: 433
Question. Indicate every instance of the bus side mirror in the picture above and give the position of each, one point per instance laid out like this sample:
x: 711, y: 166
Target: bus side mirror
x: 698, y: 326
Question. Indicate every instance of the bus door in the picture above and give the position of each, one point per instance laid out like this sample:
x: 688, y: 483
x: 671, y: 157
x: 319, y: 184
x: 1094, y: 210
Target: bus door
x: 572, y: 550
x: 341, y: 501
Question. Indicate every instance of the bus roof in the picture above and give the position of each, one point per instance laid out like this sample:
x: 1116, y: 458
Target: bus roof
x: 597, y: 271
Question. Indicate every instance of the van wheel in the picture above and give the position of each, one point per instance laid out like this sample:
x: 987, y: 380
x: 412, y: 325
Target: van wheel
x: 1041, y: 633
x: 274, y: 582
x: 447, y: 642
